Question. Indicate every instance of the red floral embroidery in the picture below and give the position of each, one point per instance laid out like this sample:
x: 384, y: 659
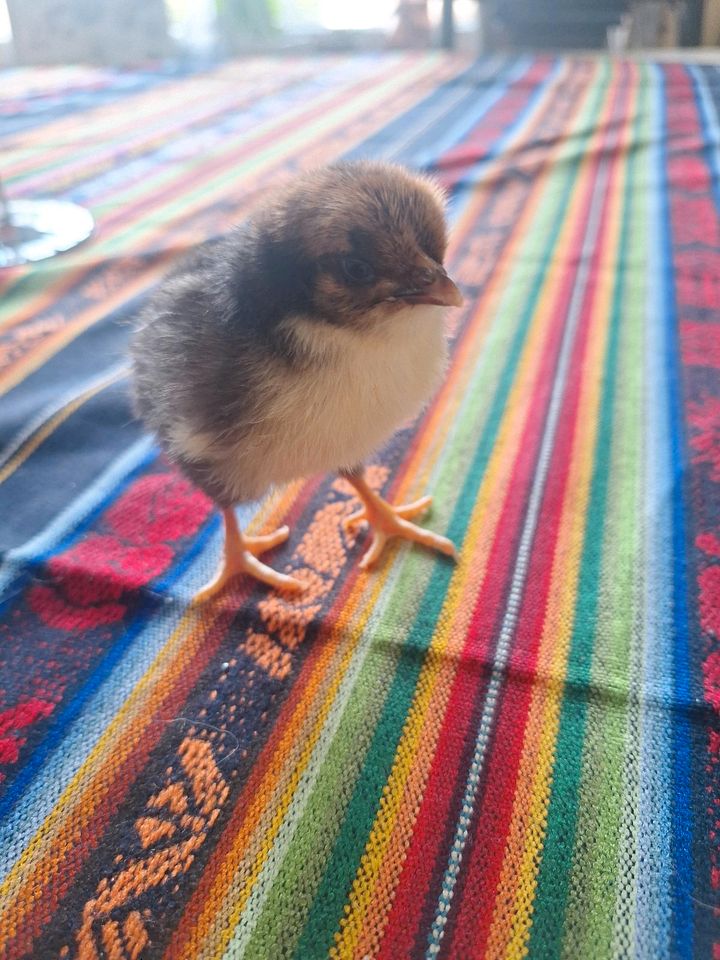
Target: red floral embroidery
x: 14, y: 719
x: 701, y: 342
x: 699, y: 223
x: 158, y: 508
x: 91, y: 578
x: 704, y: 418
x: 697, y: 272
x: 709, y: 581
x: 708, y: 543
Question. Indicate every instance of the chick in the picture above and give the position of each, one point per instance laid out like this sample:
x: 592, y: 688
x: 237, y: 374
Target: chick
x: 296, y: 345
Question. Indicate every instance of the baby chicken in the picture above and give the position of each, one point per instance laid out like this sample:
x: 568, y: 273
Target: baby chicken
x: 296, y: 345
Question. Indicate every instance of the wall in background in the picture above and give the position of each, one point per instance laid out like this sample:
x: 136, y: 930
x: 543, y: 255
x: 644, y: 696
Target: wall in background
x: 88, y: 31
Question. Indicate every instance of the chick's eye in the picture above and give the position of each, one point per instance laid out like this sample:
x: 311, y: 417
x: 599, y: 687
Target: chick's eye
x: 357, y: 271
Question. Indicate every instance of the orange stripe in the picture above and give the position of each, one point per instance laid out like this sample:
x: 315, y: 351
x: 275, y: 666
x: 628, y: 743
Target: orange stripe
x: 373, y: 890
x: 44, y: 833
x: 516, y: 887
x: 88, y: 795
x: 16, y: 372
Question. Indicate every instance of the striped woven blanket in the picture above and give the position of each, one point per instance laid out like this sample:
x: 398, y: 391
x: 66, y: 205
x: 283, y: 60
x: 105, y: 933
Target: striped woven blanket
x: 515, y: 756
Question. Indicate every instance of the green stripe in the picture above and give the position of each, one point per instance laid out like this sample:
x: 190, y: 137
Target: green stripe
x: 554, y: 876
x: 225, y: 149
x: 356, y: 730
x: 593, y: 891
x: 521, y: 297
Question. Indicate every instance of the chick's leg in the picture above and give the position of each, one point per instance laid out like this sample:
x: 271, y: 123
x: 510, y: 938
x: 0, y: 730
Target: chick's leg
x: 240, y: 556
x: 389, y: 521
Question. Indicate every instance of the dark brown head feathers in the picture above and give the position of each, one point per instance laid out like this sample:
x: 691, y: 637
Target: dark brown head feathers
x: 360, y: 234
x: 322, y: 209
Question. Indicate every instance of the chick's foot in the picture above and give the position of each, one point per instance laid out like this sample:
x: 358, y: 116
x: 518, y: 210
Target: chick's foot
x: 240, y: 556
x: 388, y: 521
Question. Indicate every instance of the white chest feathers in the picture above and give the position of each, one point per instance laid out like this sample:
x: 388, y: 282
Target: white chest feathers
x: 357, y: 391
x: 362, y: 389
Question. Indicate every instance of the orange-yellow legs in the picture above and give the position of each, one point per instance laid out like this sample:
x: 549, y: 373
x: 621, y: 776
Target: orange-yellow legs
x: 240, y: 555
x: 388, y: 521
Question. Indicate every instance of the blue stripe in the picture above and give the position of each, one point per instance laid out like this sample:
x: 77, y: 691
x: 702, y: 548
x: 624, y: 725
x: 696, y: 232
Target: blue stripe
x: 57, y: 103
x: 82, y: 737
x: 682, y: 879
x: 450, y: 133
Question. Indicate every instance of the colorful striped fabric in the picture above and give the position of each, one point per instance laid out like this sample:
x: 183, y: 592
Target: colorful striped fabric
x: 518, y: 755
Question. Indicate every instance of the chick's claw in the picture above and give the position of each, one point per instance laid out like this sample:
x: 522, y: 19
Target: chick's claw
x: 388, y: 521
x: 392, y: 524
x: 240, y: 557
x: 250, y: 566
x: 406, y: 511
x: 258, y: 545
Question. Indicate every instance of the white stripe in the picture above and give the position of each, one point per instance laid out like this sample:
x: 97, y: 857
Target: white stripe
x: 653, y: 905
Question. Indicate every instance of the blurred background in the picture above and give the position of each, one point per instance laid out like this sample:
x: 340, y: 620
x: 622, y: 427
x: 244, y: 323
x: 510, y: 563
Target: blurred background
x: 128, y: 32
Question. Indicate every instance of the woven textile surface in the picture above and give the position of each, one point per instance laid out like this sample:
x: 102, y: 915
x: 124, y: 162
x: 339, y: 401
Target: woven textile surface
x: 515, y: 755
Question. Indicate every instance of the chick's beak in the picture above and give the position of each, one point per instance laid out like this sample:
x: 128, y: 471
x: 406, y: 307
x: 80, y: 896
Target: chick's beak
x: 437, y: 289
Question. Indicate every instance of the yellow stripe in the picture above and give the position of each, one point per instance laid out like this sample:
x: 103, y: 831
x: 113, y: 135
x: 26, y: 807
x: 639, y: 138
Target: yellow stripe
x: 106, y: 244
x: 229, y: 893
x: 20, y: 879
x: 109, y: 124
x: 230, y: 867
x: 269, y: 825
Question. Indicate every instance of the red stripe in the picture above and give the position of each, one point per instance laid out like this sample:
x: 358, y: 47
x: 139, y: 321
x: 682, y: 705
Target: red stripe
x: 440, y: 792
x: 127, y: 774
x: 56, y: 887
x: 227, y: 159
x: 70, y: 285
x: 181, y: 939
x: 520, y: 94
x: 25, y: 177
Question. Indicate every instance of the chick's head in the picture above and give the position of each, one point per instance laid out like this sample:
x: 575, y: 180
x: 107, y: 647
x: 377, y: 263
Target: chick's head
x: 359, y: 242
